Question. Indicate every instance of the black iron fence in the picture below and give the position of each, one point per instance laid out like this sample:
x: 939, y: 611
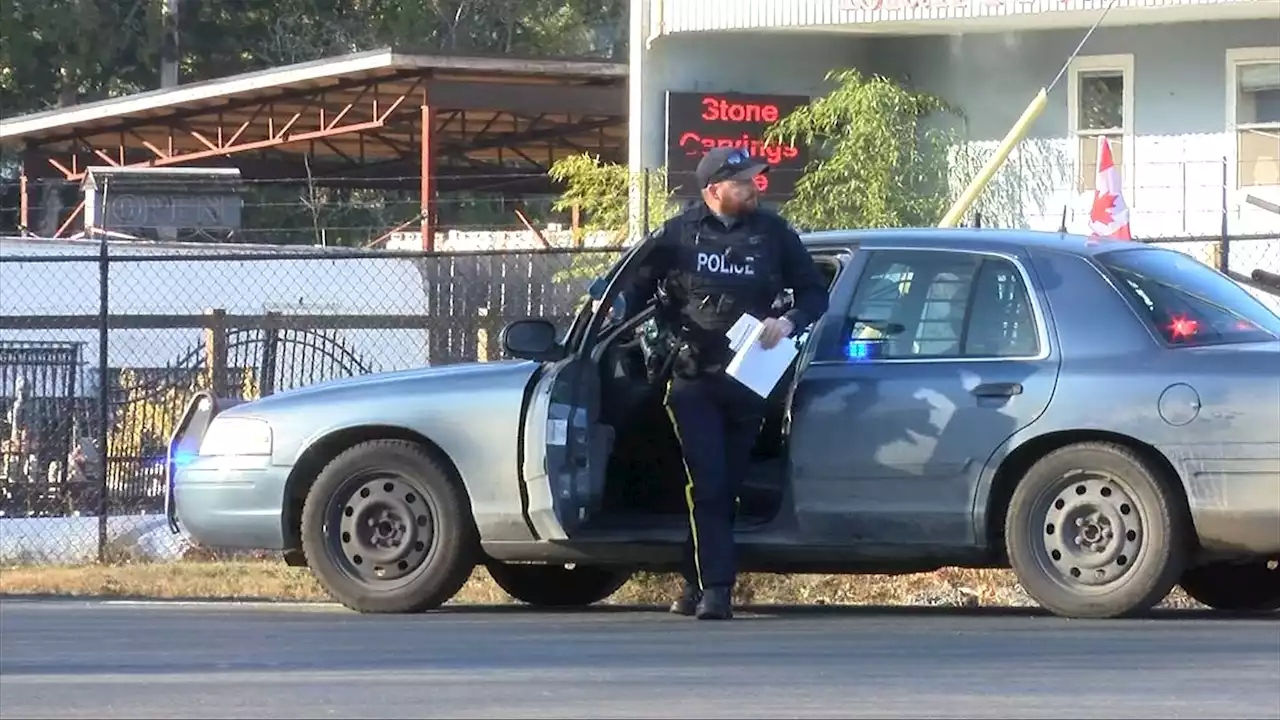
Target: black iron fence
x: 103, y: 351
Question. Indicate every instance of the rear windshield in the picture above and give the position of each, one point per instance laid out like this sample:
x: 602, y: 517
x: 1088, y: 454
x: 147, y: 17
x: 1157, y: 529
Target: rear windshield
x: 1186, y: 302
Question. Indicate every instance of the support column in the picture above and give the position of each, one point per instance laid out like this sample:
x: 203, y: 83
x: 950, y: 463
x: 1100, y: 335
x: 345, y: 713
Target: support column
x: 427, y: 190
x: 24, y: 201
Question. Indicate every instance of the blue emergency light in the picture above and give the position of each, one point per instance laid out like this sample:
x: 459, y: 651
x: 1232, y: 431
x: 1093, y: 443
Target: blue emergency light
x: 863, y: 350
x: 184, y: 443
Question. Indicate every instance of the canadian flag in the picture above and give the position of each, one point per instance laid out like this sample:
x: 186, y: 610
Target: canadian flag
x: 1109, y: 215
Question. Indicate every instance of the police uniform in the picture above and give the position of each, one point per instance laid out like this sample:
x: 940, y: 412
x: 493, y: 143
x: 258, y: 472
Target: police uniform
x: 713, y: 270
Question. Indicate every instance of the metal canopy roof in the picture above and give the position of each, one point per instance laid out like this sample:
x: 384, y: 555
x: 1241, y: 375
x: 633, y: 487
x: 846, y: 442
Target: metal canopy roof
x: 347, y: 112
x: 314, y: 76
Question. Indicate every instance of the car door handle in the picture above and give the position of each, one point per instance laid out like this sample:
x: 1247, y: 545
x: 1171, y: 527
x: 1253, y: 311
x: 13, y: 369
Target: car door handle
x: 998, y: 390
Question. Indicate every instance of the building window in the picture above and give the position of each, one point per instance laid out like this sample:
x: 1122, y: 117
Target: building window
x: 1100, y: 105
x: 1253, y: 114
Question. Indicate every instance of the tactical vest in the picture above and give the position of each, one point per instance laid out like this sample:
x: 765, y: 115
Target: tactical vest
x: 721, y: 275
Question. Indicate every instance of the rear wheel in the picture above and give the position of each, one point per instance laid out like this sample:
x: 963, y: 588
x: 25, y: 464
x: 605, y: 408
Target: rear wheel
x: 558, y: 586
x: 1234, y: 587
x: 1093, y: 531
x: 387, y: 529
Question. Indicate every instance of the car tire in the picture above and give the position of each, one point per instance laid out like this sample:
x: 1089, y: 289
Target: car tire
x: 1234, y: 587
x: 558, y: 586
x: 1126, y: 532
x: 388, y: 529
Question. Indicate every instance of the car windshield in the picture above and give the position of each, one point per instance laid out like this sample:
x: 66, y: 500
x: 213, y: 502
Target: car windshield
x: 1186, y: 302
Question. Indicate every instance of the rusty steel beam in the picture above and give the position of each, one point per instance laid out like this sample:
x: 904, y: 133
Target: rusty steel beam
x: 24, y: 201
x: 427, y: 188
x: 70, y: 218
x: 238, y: 104
x: 220, y: 148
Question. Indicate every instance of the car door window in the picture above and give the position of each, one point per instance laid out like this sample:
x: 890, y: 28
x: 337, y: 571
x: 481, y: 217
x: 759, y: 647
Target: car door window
x: 1001, y: 320
x: 918, y: 304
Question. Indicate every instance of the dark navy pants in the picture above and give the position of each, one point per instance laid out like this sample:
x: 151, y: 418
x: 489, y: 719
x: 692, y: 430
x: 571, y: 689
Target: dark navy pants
x: 716, y: 420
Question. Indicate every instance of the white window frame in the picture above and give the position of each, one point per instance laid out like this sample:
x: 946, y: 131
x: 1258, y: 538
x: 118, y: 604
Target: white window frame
x: 1235, y: 58
x: 1122, y: 63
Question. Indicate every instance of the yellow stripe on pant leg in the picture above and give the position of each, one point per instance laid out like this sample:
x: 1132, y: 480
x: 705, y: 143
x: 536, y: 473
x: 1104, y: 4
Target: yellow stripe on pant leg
x: 688, y: 486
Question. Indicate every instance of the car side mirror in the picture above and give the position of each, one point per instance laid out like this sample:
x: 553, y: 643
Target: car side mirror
x: 532, y: 339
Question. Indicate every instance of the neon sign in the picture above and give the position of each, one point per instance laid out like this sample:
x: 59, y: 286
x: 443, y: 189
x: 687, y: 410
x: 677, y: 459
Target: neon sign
x: 698, y: 122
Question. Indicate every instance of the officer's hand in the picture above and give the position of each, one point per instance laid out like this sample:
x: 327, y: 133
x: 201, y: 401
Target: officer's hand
x: 774, y: 330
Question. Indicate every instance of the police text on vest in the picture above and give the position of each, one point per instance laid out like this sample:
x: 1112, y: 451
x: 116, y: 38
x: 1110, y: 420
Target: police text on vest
x: 714, y: 263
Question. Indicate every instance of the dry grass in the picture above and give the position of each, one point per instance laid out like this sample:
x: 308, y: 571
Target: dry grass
x: 274, y: 581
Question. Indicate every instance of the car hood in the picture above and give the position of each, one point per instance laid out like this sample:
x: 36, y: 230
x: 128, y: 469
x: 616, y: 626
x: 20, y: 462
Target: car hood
x: 405, y: 382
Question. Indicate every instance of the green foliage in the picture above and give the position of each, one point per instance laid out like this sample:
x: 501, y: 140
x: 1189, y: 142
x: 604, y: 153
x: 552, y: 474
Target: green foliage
x: 56, y: 52
x: 60, y: 52
x: 877, y: 161
x: 601, y: 191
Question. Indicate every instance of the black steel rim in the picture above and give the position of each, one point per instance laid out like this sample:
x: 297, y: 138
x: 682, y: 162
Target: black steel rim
x: 380, y: 527
x: 1088, y: 532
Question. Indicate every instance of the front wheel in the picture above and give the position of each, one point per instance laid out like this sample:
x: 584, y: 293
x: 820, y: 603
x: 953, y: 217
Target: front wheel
x: 387, y: 529
x: 1234, y: 587
x: 1093, y: 531
x: 556, y: 585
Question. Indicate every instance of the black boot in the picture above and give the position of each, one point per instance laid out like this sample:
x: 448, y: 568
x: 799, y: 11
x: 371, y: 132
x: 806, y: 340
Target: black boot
x: 687, y: 603
x: 716, y: 604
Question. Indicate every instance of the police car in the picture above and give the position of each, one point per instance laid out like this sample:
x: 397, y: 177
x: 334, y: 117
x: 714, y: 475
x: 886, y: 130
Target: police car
x: 1099, y: 416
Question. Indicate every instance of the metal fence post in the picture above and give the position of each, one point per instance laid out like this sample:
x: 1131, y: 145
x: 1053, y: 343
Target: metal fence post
x: 215, y: 343
x: 1224, y: 256
x: 104, y: 392
x: 270, y: 345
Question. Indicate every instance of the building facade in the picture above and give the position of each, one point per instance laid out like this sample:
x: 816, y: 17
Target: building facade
x: 1187, y: 91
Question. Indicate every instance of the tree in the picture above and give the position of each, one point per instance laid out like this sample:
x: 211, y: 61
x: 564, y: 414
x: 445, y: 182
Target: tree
x: 601, y: 192
x: 877, y: 160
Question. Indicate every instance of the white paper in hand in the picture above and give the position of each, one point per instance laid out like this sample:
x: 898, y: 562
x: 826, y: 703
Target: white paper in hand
x: 741, y: 329
x: 754, y: 366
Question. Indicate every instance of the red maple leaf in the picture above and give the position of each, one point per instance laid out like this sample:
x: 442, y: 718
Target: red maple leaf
x: 1103, y: 205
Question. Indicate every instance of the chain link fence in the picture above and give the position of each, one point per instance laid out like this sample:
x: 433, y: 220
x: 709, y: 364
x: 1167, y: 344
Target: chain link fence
x: 248, y: 320
x: 240, y: 322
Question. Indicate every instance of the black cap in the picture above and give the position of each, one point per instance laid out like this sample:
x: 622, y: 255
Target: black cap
x: 727, y: 163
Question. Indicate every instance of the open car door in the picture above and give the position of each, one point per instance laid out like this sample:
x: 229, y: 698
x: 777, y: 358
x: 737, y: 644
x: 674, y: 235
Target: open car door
x: 566, y: 447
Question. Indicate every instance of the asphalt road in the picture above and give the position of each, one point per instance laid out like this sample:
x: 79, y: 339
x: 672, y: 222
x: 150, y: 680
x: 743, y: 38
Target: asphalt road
x: 71, y: 659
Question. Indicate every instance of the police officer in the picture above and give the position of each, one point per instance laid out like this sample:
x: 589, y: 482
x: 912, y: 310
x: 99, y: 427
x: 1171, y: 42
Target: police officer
x: 720, y: 258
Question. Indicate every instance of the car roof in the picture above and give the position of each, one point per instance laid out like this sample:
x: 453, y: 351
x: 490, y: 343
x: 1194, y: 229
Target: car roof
x: 991, y: 239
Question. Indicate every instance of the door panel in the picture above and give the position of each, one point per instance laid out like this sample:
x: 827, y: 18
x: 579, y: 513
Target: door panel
x: 943, y: 357
x: 577, y: 445
x: 566, y: 448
